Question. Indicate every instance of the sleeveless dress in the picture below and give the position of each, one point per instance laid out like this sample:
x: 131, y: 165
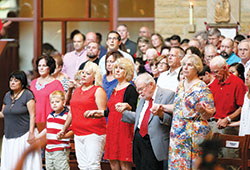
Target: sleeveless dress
x: 119, y: 134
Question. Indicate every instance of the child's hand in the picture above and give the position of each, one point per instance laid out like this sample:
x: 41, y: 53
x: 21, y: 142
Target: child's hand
x: 60, y: 135
x: 31, y: 138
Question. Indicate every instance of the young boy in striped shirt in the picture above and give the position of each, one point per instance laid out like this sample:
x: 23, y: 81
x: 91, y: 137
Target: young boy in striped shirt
x: 57, y: 150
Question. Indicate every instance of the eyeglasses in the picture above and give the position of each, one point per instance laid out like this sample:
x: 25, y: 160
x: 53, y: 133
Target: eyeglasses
x: 112, y: 38
x: 162, y: 63
x: 141, y: 88
x: 216, y: 71
x: 209, y: 56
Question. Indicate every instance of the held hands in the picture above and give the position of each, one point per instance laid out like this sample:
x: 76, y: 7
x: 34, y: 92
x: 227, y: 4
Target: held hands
x: 157, y: 109
x: 60, y: 135
x: 93, y: 114
x: 31, y: 138
x: 121, y: 107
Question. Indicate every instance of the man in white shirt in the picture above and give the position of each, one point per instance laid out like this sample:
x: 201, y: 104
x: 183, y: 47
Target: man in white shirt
x: 113, y: 41
x: 168, y: 79
x: 244, y: 54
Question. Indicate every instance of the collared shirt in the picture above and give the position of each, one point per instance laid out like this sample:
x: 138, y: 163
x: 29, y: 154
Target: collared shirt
x: 145, y: 106
x: 168, y: 80
x: 228, y: 95
x: 233, y: 59
x: 247, y: 67
x: 72, y: 61
x: 55, y: 123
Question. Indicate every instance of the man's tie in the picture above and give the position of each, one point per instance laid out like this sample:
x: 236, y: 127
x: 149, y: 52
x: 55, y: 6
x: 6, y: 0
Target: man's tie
x: 144, y: 123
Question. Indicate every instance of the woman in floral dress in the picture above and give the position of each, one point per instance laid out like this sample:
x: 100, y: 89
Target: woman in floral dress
x: 192, y: 107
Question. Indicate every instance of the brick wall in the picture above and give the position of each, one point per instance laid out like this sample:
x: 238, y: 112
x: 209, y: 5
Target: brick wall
x: 172, y: 16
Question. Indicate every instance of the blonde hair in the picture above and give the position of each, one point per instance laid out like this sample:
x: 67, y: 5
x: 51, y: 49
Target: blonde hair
x: 57, y: 93
x: 196, y: 61
x: 97, y: 72
x: 128, y: 67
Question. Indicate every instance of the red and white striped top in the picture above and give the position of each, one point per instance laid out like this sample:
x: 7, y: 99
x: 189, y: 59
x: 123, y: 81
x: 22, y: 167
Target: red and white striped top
x: 54, y: 125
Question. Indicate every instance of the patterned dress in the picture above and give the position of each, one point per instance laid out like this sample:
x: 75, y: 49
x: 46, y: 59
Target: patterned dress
x: 188, y: 130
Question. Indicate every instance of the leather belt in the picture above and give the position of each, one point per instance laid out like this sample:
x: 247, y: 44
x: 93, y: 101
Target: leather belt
x: 212, y: 119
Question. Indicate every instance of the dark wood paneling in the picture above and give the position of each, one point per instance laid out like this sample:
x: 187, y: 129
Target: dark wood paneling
x: 9, y: 62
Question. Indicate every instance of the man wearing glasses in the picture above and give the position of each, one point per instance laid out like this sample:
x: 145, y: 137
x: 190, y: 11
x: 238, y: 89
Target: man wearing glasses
x: 228, y: 91
x: 113, y: 41
x: 151, y: 130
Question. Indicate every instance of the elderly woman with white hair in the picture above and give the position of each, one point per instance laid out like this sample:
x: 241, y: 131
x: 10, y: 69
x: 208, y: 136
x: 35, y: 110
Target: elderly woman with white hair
x: 89, y: 134
x: 118, y: 147
x: 193, y: 105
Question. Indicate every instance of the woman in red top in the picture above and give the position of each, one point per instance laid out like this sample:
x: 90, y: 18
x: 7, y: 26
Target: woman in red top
x: 89, y: 133
x: 118, y: 148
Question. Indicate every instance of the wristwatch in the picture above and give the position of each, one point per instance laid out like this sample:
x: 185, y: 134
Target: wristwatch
x: 228, y: 118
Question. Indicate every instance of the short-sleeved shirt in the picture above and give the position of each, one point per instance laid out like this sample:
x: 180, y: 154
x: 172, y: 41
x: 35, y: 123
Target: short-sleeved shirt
x: 41, y: 93
x: 228, y: 96
x: 55, y: 123
x: 16, y: 116
x: 233, y: 59
x: 168, y: 80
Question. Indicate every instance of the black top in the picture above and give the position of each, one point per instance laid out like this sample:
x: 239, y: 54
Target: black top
x: 131, y: 47
x: 83, y: 64
x: 130, y: 96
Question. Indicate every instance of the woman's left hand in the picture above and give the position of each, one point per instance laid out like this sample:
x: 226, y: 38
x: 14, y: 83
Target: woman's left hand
x: 31, y: 138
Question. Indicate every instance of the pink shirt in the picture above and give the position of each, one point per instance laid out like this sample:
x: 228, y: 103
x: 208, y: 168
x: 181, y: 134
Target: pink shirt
x: 41, y: 94
x: 72, y: 62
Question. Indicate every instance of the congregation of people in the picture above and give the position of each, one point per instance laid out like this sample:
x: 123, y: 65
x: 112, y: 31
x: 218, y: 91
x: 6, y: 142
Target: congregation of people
x: 147, y: 105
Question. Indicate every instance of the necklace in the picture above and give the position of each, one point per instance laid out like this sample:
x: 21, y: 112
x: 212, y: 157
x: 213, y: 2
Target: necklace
x: 14, y: 98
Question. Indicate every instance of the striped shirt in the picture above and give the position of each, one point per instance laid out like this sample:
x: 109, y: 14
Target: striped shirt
x: 54, y: 125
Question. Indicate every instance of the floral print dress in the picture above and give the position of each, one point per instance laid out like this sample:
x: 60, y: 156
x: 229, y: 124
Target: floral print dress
x: 188, y: 129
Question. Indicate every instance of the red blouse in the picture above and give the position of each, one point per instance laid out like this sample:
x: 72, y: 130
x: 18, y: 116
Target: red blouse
x: 80, y: 102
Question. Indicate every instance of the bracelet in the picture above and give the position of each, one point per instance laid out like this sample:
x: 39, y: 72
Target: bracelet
x: 228, y: 118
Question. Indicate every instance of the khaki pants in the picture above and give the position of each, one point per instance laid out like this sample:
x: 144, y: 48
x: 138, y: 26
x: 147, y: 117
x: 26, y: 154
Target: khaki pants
x: 57, y: 160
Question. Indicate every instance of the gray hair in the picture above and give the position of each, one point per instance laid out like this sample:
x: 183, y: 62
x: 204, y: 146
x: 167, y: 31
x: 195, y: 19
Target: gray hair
x: 218, y: 61
x: 146, y: 78
x: 196, y: 61
x: 245, y: 41
x: 203, y: 34
x: 209, y: 46
x: 214, y: 31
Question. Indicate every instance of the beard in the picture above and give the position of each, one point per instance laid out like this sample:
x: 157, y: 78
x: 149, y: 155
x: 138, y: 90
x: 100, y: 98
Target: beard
x: 224, y: 55
x: 92, y: 56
